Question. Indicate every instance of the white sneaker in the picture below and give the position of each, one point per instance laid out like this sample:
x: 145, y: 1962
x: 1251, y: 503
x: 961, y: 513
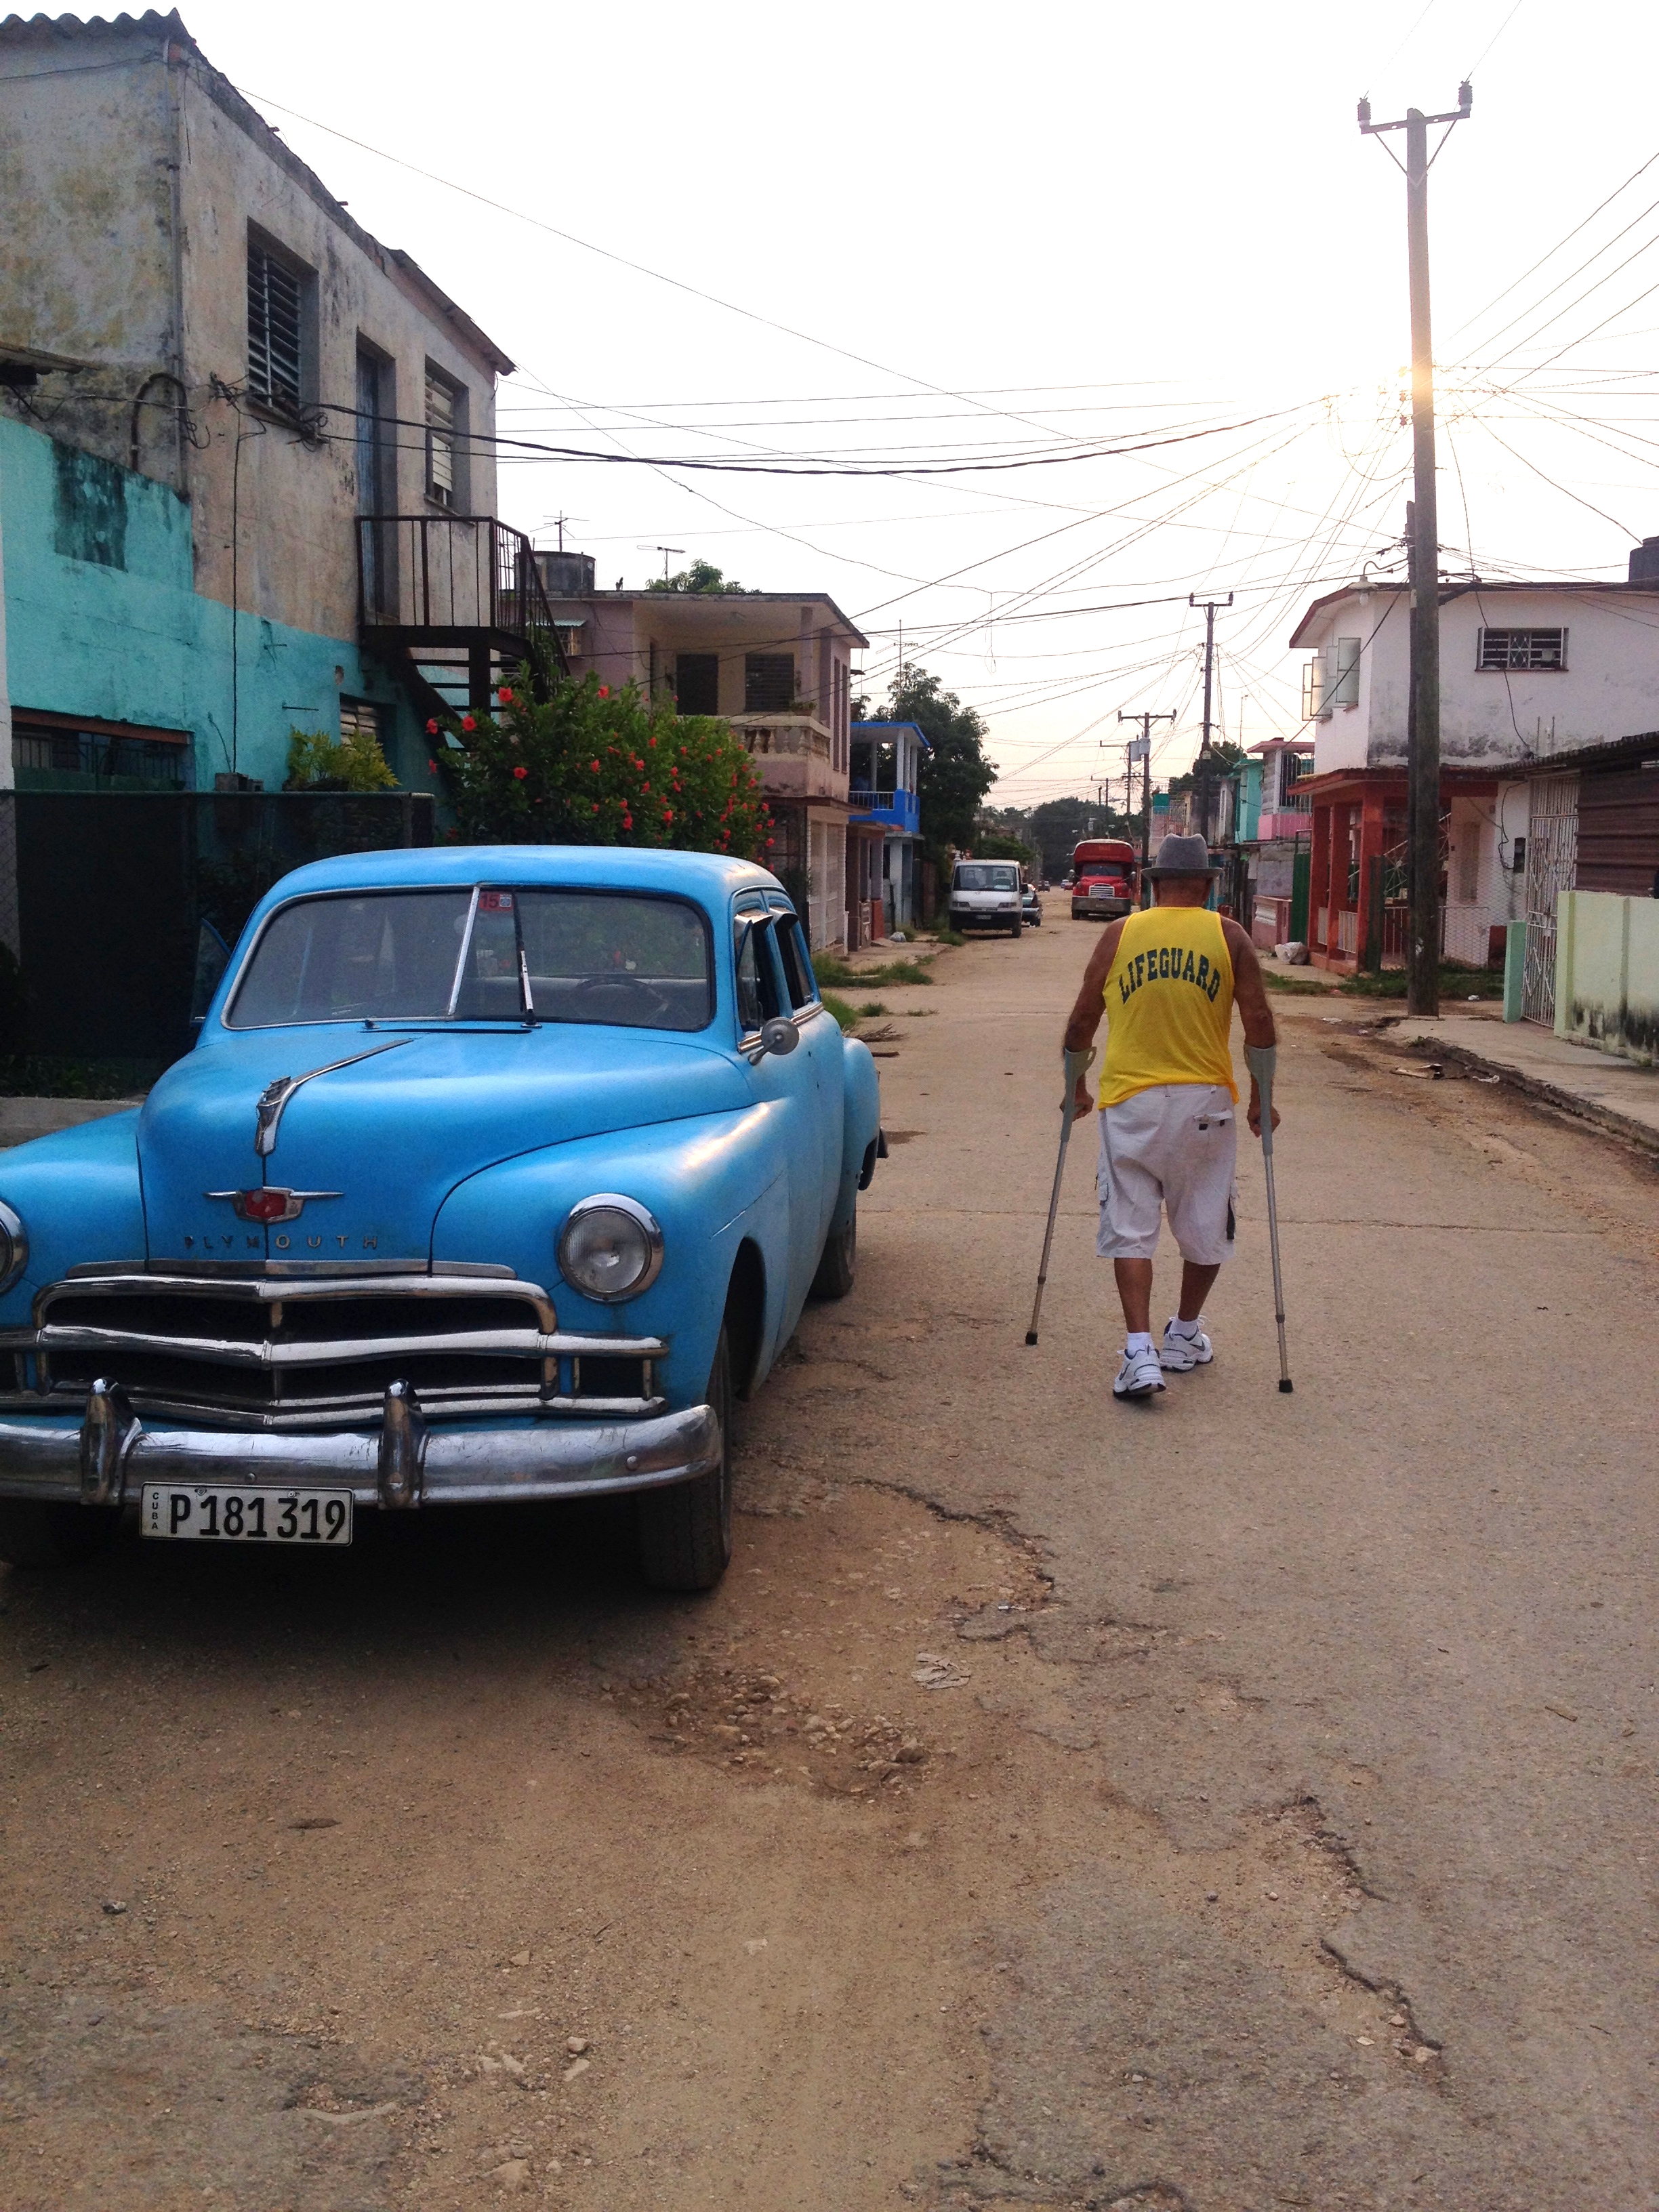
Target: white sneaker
x: 1139, y: 1375
x: 1181, y: 1352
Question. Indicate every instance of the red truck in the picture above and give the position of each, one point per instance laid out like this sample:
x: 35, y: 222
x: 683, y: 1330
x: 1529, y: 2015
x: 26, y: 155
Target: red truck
x: 1105, y: 879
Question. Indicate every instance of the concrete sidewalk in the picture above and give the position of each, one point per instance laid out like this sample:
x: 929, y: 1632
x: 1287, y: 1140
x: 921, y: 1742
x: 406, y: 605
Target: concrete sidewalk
x: 21, y: 1119
x: 1594, y: 1085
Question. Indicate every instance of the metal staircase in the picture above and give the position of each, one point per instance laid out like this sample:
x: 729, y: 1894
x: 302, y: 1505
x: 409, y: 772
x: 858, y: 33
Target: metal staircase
x: 453, y: 604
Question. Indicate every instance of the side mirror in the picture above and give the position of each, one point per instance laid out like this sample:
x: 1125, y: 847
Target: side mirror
x: 779, y: 1036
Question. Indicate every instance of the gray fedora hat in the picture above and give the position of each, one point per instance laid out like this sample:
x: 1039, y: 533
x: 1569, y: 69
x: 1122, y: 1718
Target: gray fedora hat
x: 1183, y: 856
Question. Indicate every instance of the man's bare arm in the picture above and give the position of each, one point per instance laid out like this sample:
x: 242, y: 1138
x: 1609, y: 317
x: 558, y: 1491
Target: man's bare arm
x: 1091, y: 1005
x: 1250, y: 997
x: 1090, y: 1002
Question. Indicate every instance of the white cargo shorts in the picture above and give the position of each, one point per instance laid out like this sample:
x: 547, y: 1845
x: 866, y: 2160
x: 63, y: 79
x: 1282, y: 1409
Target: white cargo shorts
x: 1172, y: 1148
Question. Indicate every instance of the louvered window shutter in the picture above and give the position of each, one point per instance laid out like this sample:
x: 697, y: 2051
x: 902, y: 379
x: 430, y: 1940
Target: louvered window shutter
x: 440, y: 440
x: 273, y: 330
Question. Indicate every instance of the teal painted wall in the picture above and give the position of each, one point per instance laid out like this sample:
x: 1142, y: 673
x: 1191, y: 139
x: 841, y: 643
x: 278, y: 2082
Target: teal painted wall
x: 135, y: 642
x: 1249, y: 802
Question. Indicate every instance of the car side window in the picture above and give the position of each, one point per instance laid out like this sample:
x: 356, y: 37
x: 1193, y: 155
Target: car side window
x: 797, y: 968
x: 760, y: 978
x: 750, y: 1016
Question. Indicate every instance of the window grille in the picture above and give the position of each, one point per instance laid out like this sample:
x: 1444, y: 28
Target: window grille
x: 85, y: 759
x: 275, y: 295
x: 769, y: 683
x: 442, y: 410
x: 1523, y: 648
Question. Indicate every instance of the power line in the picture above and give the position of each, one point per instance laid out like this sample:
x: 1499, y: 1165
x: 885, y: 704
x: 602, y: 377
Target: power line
x: 657, y: 276
x: 1495, y: 37
x: 1555, y: 249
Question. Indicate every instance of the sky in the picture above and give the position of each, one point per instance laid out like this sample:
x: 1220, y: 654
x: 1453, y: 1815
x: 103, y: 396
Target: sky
x: 890, y: 243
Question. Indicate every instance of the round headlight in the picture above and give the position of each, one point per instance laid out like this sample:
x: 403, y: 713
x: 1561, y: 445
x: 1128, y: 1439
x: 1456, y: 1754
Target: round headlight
x: 13, y: 1248
x: 611, y: 1247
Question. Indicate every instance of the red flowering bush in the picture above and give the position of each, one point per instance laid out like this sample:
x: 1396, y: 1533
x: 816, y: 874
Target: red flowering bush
x: 597, y: 765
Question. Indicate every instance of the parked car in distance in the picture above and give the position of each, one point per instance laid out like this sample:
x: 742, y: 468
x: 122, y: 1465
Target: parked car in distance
x: 1031, y: 906
x: 496, y: 1174
x: 985, y: 895
x: 1105, y: 879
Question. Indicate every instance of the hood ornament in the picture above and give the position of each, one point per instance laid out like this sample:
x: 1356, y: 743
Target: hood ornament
x: 273, y: 1101
x: 271, y: 1202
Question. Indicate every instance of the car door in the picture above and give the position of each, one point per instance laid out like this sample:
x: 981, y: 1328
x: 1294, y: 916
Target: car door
x: 786, y: 1083
x: 820, y: 1046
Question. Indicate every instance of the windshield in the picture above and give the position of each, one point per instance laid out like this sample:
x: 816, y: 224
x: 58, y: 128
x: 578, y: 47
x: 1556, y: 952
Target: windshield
x: 987, y: 876
x: 559, y: 955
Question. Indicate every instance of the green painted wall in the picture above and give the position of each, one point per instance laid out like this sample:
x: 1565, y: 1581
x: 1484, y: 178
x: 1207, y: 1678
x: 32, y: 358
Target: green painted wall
x: 103, y: 619
x: 1607, y: 973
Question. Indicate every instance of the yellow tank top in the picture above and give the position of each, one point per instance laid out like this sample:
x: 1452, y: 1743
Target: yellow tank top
x: 1169, y: 1004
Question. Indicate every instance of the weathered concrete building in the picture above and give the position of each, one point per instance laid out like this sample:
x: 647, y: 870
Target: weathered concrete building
x: 776, y: 665
x: 245, y: 480
x: 1527, y: 671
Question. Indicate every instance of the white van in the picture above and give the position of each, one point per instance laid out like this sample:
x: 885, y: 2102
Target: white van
x: 985, y: 895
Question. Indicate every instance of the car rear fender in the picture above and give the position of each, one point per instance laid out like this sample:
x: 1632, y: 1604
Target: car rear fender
x: 860, y: 1129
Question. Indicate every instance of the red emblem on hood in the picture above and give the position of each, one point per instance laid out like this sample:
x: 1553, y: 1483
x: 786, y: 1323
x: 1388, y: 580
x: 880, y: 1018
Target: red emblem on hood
x: 271, y: 1202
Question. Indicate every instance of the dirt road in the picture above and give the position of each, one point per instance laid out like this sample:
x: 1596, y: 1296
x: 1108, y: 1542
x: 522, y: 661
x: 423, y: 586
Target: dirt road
x: 1235, y: 1801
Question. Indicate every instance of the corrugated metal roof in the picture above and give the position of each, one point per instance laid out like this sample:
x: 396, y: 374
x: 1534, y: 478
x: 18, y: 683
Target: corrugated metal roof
x: 15, y: 29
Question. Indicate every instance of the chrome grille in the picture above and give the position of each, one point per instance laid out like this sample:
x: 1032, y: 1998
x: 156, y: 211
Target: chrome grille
x: 286, y: 1353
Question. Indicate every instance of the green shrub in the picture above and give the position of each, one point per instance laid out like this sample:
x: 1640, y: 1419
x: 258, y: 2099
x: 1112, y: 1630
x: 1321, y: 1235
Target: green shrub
x: 830, y: 967
x: 898, y: 971
x: 840, y: 1008
x: 317, y: 762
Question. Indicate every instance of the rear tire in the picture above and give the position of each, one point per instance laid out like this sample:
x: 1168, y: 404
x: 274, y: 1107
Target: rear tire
x: 34, y: 1533
x: 686, y: 1532
x: 838, y: 1268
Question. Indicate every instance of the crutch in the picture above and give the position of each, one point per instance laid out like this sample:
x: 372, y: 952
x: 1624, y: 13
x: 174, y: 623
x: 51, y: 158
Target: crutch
x: 1262, y: 1059
x: 1078, y: 1065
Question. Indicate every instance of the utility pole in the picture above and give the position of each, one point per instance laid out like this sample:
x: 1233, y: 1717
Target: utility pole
x: 1202, y: 769
x: 1423, y: 733
x: 1140, y: 749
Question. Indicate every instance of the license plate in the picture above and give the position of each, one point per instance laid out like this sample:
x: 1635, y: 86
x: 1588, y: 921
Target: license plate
x: 209, y: 1513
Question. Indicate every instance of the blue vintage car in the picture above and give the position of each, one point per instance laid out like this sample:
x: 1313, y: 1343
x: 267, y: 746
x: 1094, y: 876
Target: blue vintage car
x: 494, y: 1174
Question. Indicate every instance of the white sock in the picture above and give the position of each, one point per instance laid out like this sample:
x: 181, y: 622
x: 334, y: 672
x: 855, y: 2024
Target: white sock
x: 1179, y: 1327
x: 1137, y: 1340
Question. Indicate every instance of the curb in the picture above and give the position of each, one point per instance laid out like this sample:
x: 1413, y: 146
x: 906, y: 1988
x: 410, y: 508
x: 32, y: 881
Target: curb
x: 1605, y: 1118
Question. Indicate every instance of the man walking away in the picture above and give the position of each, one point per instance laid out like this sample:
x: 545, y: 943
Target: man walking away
x: 1167, y: 979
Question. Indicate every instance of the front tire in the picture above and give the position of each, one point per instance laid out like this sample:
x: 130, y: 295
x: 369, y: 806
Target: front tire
x: 838, y: 1268
x: 34, y: 1533
x: 686, y: 1532
x: 1015, y: 928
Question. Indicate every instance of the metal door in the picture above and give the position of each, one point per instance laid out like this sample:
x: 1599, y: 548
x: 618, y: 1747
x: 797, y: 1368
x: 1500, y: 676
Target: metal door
x: 1552, y: 863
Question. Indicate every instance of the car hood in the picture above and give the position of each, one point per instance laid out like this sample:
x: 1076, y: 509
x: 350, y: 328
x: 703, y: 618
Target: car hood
x: 390, y: 1132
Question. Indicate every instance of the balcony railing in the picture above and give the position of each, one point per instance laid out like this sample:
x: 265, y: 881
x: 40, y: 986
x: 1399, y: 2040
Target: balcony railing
x: 801, y: 736
x: 903, y: 809
x: 450, y: 577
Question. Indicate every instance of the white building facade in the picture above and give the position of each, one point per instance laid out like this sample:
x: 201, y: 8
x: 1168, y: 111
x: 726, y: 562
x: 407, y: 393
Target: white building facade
x: 1527, y: 670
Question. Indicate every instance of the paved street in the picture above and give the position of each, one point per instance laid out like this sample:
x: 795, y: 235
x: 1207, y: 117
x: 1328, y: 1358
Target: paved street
x: 1232, y: 1801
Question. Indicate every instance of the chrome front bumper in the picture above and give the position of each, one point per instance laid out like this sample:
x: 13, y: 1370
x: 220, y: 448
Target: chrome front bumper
x: 103, y: 1459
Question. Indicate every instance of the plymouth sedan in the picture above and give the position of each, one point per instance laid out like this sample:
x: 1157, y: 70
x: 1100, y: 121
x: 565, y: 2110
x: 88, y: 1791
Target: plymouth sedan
x: 494, y: 1174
